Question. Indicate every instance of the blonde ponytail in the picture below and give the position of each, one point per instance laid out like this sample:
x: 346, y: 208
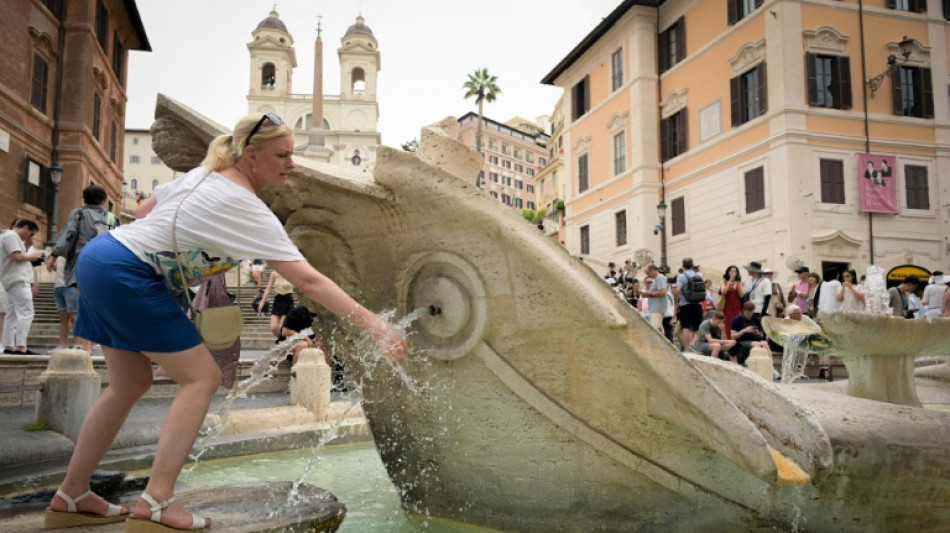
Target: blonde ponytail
x: 220, y: 153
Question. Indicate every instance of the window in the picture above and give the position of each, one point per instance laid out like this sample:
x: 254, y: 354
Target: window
x: 531, y: 172
x: 518, y: 153
x: 504, y: 149
x: 913, y: 92
x: 154, y: 184
x: 580, y: 98
x: 113, y: 141
x: 134, y: 184
x: 494, y: 194
x: 102, y: 26
x: 529, y: 158
x: 55, y: 7
x: 134, y: 160
x: 530, y: 189
x: 620, y: 221
x: 481, y: 178
x: 97, y: 116
x: 135, y: 140
x: 156, y: 160
x: 739, y: 9
x: 620, y: 153
x: 832, y: 181
x: 493, y: 176
x: 914, y: 6
x: 674, y: 138
x: 507, y: 181
x: 749, y: 95
x: 585, y: 240
x: 583, y: 181
x: 678, y: 216
x: 38, y: 87
x: 542, y: 161
x: 493, y: 159
x: 672, y: 45
x: 616, y: 70
x: 755, y: 190
x: 829, y: 81
x: 491, y: 144
x: 506, y: 164
x: 519, y: 184
x: 118, y: 57
x: 506, y: 199
x: 531, y: 205
x: 519, y: 203
x: 918, y: 192
x: 34, y: 184
x: 946, y: 9
x: 519, y: 168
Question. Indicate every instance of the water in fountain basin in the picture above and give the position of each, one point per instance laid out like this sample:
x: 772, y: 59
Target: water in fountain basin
x: 793, y: 358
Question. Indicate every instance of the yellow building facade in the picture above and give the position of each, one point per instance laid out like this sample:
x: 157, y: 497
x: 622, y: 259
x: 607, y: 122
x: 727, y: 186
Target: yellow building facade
x: 747, y: 119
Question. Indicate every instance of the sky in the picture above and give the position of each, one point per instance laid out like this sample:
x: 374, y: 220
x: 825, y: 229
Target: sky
x: 427, y: 48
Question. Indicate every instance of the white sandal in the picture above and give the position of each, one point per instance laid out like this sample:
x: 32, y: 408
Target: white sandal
x: 154, y: 524
x: 72, y: 517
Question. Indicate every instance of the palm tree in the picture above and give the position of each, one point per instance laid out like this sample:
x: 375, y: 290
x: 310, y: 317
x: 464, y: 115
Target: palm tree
x: 483, y: 87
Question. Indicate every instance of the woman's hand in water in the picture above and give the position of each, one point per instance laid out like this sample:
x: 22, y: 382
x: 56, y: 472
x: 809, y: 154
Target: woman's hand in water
x: 391, y: 343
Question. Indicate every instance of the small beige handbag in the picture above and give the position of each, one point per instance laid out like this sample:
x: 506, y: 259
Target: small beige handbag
x: 219, y: 327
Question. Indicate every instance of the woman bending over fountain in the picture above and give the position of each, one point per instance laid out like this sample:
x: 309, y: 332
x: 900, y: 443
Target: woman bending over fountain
x: 129, y: 279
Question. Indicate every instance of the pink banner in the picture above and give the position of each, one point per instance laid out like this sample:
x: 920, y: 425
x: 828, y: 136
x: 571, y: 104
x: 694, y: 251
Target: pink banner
x: 878, y: 177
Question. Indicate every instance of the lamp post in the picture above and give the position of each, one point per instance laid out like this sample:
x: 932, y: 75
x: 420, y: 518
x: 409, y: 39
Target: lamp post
x: 905, y: 47
x: 661, y: 212
x: 56, y: 177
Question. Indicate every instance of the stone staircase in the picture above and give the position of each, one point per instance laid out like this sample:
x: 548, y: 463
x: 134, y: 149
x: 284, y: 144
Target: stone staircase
x: 44, y: 334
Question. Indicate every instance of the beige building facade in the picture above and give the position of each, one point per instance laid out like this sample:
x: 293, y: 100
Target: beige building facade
x: 350, y: 119
x: 514, y: 153
x: 747, y: 119
x: 144, y: 170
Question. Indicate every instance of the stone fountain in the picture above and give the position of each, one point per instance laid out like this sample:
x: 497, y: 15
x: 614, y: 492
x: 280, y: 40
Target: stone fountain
x: 547, y: 403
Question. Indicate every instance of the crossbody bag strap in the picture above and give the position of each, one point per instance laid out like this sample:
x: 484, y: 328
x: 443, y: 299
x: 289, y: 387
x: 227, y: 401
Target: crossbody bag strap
x: 181, y: 269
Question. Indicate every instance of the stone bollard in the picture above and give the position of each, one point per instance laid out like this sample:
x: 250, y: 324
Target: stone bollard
x: 760, y: 362
x: 70, y: 387
x: 310, y: 384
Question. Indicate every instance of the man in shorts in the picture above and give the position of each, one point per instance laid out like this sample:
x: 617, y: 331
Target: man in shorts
x: 690, y: 313
x: 67, y: 302
x: 709, y: 339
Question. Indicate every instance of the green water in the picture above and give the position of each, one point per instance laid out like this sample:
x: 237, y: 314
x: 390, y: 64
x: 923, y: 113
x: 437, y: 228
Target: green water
x: 353, y: 472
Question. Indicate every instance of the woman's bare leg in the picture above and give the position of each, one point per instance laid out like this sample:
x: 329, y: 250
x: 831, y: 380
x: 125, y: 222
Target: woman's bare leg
x: 199, y: 377
x: 130, y: 376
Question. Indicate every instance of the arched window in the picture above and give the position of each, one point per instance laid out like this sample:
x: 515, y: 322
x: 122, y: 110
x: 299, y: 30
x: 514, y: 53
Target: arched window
x: 326, y: 125
x: 304, y: 122
x: 154, y: 184
x: 268, y: 76
x: 358, y: 77
x: 134, y: 184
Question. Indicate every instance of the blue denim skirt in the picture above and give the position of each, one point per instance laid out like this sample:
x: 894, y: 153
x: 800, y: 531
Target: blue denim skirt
x: 124, y: 303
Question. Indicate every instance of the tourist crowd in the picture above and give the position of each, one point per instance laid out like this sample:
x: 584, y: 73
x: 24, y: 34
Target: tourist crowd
x: 723, y: 318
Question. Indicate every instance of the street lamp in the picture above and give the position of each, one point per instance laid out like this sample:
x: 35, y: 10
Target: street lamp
x: 661, y: 229
x: 55, y: 177
x: 905, y: 47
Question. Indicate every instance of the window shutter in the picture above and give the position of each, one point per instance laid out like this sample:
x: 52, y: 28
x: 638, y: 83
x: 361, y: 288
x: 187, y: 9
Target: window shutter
x: 812, y: 68
x: 678, y: 207
x: 946, y: 9
x: 763, y: 89
x: 844, y: 81
x: 663, y: 43
x: 896, y: 90
x: 733, y: 10
x: 927, y: 93
x: 587, y: 93
x: 735, y: 96
x: 664, y: 139
x: 825, y: 173
x: 680, y: 39
x: 684, y: 132
x: 918, y: 6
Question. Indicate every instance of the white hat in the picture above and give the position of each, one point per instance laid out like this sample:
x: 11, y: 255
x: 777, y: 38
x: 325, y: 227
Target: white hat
x: 940, y: 280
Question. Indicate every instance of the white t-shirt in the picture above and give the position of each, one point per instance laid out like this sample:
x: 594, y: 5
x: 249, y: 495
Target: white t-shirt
x: 11, y: 271
x: 220, y: 224
x: 757, y: 289
x: 828, y: 297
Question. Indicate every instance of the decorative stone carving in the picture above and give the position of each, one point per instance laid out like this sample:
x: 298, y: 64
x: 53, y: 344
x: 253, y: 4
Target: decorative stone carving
x: 674, y: 102
x: 42, y: 42
x: 617, y: 122
x: 100, y: 79
x: 748, y: 56
x: 919, y: 54
x: 582, y: 145
x: 826, y: 40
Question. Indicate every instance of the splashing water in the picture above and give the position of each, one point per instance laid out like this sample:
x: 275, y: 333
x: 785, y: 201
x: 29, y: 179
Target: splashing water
x: 794, y: 358
x: 876, y: 300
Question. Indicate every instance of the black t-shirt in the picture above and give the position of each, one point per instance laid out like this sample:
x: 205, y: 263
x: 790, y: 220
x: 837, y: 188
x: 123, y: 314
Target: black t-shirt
x: 298, y: 319
x: 741, y: 322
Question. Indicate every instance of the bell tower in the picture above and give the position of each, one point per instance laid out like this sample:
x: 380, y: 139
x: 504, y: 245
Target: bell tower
x: 272, y: 60
x: 359, y: 62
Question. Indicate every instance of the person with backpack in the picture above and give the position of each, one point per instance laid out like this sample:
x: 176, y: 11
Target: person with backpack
x: 690, y: 292
x: 83, y: 225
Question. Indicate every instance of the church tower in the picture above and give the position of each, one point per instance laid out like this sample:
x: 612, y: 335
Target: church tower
x: 272, y: 61
x: 358, y: 114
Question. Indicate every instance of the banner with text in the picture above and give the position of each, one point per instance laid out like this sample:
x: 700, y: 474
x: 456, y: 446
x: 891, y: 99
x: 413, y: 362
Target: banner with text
x: 878, y: 179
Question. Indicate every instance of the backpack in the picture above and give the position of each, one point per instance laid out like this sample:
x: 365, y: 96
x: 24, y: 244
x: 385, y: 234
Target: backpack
x: 694, y: 290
